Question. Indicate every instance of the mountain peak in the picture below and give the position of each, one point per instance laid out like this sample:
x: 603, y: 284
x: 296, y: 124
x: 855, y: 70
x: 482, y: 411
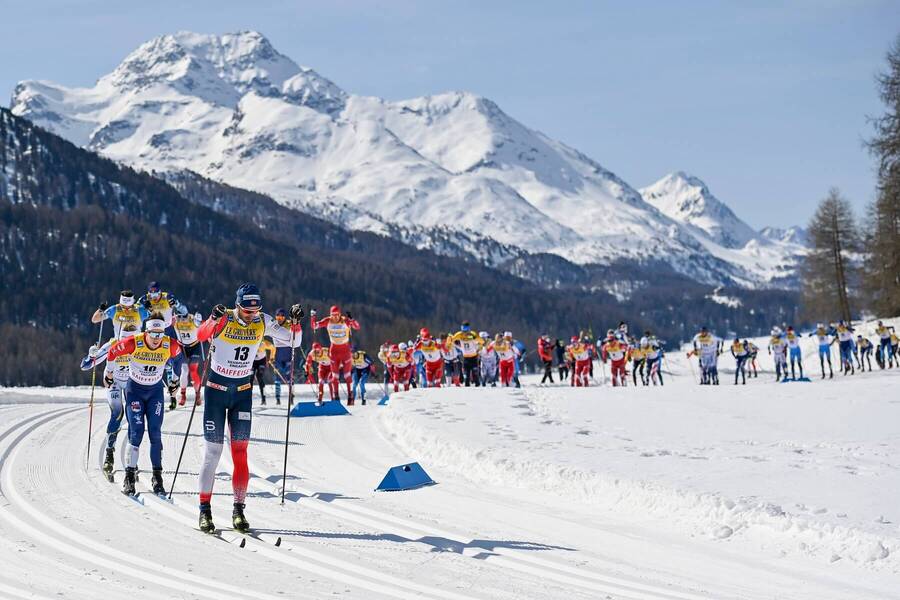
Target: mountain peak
x: 687, y: 199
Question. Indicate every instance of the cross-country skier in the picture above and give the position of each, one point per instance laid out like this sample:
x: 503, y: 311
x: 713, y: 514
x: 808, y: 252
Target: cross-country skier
x: 339, y: 328
x: 753, y: 350
x: 235, y: 335
x: 616, y: 351
x: 865, y: 352
x: 561, y: 363
x: 507, y: 354
x: 581, y: 355
x: 264, y: 353
x: 545, y: 352
x: 450, y: 354
x: 399, y: 361
x: 844, y: 335
x: 793, y: 345
x: 654, y: 359
x: 115, y: 378
x: 194, y: 352
x: 740, y: 352
x: 825, y: 340
x: 362, y: 366
x: 488, y: 361
x: 148, y: 354
x: 282, y: 361
x: 469, y: 345
x: 318, y: 362
x: 778, y: 349
x: 156, y: 300
x: 638, y: 357
x: 126, y: 312
x: 884, y: 346
x: 432, y: 357
x: 708, y: 347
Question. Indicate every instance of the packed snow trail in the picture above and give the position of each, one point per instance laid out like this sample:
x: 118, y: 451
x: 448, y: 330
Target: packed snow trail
x: 543, y: 492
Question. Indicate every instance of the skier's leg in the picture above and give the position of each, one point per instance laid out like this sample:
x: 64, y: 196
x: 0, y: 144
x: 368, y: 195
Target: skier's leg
x: 214, y: 412
x: 135, y: 411
x: 116, y: 411
x: 239, y: 423
x: 154, y: 416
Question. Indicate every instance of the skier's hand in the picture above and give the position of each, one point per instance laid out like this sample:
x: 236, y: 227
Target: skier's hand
x: 94, y: 351
x: 349, y: 316
x: 107, y: 379
x: 312, y: 313
x: 218, y: 311
x: 173, y: 386
x: 103, y: 306
x: 297, y: 313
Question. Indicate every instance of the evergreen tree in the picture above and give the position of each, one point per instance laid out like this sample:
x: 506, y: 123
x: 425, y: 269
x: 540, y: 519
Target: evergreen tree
x: 882, y: 271
x: 827, y: 272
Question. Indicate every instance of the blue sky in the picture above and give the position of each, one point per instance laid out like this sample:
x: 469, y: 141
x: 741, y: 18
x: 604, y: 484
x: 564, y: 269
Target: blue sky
x: 765, y: 101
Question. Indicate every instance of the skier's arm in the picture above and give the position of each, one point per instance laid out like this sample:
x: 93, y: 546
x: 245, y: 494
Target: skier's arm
x: 104, y: 312
x: 174, y: 349
x: 351, y: 323
x: 211, y: 328
x: 121, y: 348
x: 281, y: 334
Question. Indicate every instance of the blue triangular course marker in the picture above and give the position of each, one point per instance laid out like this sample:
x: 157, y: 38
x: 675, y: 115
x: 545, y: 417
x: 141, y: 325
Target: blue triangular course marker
x: 798, y: 379
x: 332, y: 408
x: 404, y: 477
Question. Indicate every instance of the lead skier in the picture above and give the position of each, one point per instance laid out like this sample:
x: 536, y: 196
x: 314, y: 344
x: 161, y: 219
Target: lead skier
x: 235, y: 335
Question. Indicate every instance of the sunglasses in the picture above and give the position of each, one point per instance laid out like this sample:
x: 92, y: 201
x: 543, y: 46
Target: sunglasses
x: 156, y: 335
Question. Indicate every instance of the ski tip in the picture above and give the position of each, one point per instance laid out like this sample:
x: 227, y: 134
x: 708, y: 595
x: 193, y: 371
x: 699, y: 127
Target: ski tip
x: 243, y: 542
x: 278, y: 542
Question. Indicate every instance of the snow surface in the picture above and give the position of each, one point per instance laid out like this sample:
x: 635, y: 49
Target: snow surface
x: 233, y: 109
x: 678, y: 492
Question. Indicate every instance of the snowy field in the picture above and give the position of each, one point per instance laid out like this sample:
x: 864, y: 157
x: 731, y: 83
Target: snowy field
x: 676, y: 493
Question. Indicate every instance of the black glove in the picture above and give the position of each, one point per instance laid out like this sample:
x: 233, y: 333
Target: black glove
x: 218, y: 311
x: 146, y: 303
x: 103, y: 306
x: 173, y: 386
x: 297, y: 313
x: 349, y: 316
x: 107, y: 379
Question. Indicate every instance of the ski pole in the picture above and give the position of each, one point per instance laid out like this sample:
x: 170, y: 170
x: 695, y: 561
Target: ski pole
x: 691, y: 365
x: 190, y: 420
x: 87, y: 457
x: 287, y: 428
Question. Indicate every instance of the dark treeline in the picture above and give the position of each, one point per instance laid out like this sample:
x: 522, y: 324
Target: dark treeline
x: 75, y: 229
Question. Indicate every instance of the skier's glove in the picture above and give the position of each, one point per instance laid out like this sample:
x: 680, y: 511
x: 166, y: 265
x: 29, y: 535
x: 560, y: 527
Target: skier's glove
x: 107, y: 379
x: 349, y: 316
x: 312, y: 313
x: 218, y: 311
x: 94, y: 351
x: 103, y: 306
x: 297, y: 313
x: 173, y: 386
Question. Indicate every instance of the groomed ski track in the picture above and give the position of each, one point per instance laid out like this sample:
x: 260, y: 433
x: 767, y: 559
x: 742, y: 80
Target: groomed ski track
x: 68, y: 533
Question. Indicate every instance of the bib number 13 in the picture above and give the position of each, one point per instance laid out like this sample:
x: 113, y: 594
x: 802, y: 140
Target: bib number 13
x: 241, y: 352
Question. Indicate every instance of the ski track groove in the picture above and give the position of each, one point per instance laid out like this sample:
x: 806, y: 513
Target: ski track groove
x: 534, y: 566
x: 91, y: 551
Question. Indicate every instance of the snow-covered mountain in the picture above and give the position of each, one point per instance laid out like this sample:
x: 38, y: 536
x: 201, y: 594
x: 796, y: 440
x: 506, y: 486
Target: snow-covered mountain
x: 452, y: 166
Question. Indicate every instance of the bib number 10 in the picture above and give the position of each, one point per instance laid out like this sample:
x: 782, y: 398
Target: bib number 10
x: 241, y: 352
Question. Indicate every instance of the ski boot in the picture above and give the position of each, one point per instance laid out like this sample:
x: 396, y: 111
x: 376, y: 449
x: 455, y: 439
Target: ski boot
x: 156, y: 481
x: 238, y: 520
x: 109, y: 464
x: 206, y: 522
x: 171, y: 402
x: 350, y: 399
x: 198, y: 399
x: 262, y: 401
x: 362, y: 399
x: 183, y: 398
x: 128, y: 486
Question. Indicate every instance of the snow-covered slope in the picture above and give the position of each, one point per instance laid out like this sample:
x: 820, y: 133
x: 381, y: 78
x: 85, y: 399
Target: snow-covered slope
x: 232, y: 108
